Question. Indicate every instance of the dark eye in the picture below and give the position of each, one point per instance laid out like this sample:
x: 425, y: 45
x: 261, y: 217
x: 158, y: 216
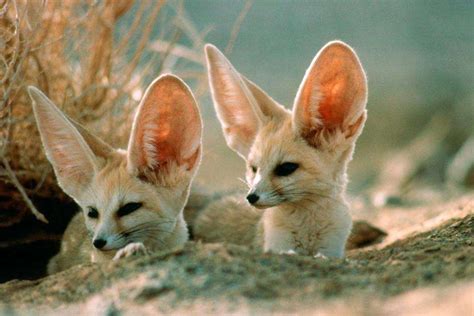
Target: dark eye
x: 92, y: 212
x: 285, y: 169
x: 128, y: 208
x: 253, y: 168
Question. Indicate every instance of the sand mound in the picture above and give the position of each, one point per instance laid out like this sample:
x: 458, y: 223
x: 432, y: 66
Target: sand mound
x: 427, y: 268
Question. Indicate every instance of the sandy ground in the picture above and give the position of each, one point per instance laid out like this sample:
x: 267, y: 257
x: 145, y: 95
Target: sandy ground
x: 424, y: 266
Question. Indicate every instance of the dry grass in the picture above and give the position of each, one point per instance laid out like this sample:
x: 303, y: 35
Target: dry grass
x: 91, y: 63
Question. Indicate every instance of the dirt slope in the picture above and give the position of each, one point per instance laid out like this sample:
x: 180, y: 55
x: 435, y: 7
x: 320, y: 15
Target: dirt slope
x: 425, y: 264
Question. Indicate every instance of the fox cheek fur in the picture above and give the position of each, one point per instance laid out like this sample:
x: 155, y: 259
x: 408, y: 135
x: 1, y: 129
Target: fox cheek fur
x: 127, y: 196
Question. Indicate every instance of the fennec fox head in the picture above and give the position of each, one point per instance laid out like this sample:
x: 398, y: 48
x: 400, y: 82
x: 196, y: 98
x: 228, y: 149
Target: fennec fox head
x: 135, y: 195
x: 298, y: 155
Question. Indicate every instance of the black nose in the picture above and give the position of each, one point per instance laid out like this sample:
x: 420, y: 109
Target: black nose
x: 252, y: 198
x: 99, y: 243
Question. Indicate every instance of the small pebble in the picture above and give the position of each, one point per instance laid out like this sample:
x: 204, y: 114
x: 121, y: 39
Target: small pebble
x: 433, y: 249
x: 151, y: 290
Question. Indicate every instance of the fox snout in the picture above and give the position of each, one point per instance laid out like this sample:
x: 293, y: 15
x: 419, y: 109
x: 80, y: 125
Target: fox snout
x: 108, y: 236
x: 110, y: 242
x: 253, y: 198
x: 265, y: 191
x: 99, y: 243
x: 264, y: 198
x: 258, y: 195
x: 107, y: 242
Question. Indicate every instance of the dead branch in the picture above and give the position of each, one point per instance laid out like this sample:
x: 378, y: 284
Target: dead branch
x: 237, y: 25
x: 20, y: 189
x: 177, y: 50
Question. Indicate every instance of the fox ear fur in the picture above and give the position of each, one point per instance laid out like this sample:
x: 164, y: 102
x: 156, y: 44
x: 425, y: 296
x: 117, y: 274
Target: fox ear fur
x: 166, y: 131
x: 332, y: 96
x: 241, y: 106
x: 67, y: 148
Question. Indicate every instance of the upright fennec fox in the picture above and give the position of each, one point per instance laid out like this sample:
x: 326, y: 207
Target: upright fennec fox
x: 132, y: 200
x: 296, y: 160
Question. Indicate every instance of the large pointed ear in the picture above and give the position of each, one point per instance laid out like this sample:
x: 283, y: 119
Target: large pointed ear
x: 98, y: 146
x: 73, y: 161
x: 166, y: 131
x: 332, y: 96
x: 269, y: 107
x: 235, y: 105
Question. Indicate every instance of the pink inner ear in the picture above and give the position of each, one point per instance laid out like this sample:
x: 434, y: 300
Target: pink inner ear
x: 334, y: 87
x: 333, y: 106
x: 168, y: 127
x: 164, y: 140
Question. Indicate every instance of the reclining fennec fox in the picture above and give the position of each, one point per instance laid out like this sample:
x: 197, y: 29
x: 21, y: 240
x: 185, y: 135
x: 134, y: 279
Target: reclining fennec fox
x: 296, y: 160
x: 132, y: 201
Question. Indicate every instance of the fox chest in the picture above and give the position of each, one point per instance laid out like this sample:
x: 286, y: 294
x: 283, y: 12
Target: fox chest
x: 309, y: 241
x: 302, y: 234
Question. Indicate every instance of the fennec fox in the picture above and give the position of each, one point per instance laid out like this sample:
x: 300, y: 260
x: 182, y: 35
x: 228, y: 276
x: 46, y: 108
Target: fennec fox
x: 132, y: 201
x: 296, y: 160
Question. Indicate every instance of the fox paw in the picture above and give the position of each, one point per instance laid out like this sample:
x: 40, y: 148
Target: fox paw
x: 290, y: 252
x: 135, y: 248
x: 320, y: 256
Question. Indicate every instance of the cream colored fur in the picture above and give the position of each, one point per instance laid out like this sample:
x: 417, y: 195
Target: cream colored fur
x: 163, y: 155
x: 306, y: 211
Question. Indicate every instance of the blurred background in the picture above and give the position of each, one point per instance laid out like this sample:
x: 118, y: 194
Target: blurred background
x: 95, y: 58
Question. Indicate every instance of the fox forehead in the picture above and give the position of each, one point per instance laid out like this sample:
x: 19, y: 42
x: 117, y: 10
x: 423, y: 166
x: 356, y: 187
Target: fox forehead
x: 113, y: 186
x: 275, y: 142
